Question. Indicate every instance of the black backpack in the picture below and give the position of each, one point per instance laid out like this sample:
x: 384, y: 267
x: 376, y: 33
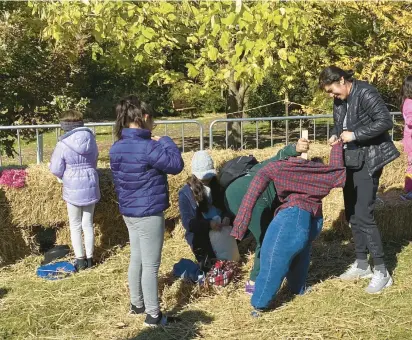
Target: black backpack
x: 235, y: 168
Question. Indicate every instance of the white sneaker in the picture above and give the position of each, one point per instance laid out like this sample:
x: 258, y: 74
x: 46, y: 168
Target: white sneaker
x: 379, y: 281
x: 354, y: 272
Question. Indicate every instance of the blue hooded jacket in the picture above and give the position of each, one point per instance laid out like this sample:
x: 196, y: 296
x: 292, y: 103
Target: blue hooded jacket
x: 140, y: 166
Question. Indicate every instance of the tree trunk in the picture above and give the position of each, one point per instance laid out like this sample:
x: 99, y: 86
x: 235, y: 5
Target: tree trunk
x: 236, y: 103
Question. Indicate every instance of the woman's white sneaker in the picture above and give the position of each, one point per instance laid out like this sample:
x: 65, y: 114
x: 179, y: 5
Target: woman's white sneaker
x: 379, y: 281
x: 353, y: 272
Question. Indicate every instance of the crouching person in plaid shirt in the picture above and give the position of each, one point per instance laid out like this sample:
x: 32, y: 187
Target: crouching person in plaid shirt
x: 301, y: 185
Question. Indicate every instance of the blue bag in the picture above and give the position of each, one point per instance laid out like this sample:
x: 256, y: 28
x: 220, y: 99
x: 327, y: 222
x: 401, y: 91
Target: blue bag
x: 56, y: 271
x: 188, y: 270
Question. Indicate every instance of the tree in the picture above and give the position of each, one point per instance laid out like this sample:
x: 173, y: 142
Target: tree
x: 218, y: 43
x: 31, y: 74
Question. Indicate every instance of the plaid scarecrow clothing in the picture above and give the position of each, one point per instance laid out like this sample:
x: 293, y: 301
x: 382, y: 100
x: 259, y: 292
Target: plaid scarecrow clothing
x: 298, y: 182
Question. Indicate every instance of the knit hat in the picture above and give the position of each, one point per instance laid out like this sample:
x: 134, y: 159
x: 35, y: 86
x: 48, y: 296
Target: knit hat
x: 202, y: 165
x: 68, y: 126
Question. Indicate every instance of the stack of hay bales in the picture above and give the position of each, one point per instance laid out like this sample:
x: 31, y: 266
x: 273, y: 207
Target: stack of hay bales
x: 40, y: 203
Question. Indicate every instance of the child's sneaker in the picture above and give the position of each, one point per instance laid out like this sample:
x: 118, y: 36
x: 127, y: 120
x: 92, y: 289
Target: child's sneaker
x: 256, y: 313
x: 90, y: 262
x: 160, y: 320
x: 80, y: 264
x: 407, y: 196
x: 136, y: 310
x: 249, y: 287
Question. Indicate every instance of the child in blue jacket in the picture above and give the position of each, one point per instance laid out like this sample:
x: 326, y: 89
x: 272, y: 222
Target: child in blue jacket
x: 140, y: 163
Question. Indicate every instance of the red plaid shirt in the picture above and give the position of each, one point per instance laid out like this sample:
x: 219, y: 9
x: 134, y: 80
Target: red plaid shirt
x: 298, y: 182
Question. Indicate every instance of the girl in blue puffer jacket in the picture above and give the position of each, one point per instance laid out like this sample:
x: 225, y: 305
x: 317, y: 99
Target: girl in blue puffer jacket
x: 140, y: 163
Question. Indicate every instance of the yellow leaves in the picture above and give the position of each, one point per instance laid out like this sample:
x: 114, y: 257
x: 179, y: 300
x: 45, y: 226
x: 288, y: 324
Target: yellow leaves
x: 283, y: 54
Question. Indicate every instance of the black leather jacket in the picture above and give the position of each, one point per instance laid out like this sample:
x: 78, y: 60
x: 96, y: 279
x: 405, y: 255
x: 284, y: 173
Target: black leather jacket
x: 369, y: 119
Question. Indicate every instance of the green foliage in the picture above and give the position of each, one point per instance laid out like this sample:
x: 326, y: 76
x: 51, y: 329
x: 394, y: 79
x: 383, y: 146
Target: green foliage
x: 31, y: 72
x: 204, y: 100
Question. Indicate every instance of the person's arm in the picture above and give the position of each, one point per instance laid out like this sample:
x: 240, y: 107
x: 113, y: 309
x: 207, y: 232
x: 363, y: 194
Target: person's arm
x: 376, y: 109
x: 337, y: 166
x: 256, y: 187
x: 165, y: 156
x: 286, y: 152
x: 407, y: 112
x: 57, y: 162
x: 188, y: 216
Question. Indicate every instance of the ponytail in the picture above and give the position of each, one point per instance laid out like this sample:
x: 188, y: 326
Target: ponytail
x: 198, y: 190
x: 131, y: 110
x: 333, y: 74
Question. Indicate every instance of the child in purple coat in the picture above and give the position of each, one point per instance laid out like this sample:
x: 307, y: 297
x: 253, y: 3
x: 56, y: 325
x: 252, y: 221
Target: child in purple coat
x: 74, y: 161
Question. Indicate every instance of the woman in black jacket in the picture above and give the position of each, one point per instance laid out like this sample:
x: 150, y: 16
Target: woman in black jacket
x: 361, y: 121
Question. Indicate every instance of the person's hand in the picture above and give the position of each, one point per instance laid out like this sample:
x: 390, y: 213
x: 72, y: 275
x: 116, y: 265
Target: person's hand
x: 302, y: 145
x: 226, y: 221
x: 347, y: 136
x: 156, y: 138
x: 333, y: 140
x: 216, y: 226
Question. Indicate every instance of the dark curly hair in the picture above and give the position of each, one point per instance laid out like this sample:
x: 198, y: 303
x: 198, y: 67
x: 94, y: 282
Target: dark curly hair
x: 332, y: 74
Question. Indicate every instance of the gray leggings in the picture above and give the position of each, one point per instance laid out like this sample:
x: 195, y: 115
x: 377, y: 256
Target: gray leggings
x: 146, y: 236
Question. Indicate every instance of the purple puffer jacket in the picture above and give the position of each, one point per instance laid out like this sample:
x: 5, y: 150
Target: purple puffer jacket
x: 74, y: 161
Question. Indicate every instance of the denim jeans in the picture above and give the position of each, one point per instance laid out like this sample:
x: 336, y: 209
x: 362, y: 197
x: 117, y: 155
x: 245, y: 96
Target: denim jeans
x: 285, y: 253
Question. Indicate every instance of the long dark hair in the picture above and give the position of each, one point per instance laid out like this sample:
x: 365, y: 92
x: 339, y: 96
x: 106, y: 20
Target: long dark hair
x: 198, y: 190
x: 131, y: 110
x: 406, y: 90
x: 332, y: 74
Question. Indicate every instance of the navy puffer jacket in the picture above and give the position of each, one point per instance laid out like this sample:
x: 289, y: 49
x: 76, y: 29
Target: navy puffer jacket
x: 140, y: 166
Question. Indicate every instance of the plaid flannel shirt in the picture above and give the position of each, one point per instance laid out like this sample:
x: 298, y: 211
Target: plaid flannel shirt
x: 298, y: 182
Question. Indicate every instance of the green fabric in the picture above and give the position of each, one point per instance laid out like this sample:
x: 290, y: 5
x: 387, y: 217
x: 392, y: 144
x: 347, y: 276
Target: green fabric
x: 263, y: 211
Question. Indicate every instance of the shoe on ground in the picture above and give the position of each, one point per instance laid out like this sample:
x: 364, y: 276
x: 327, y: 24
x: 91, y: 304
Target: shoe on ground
x: 379, y: 281
x: 249, y: 287
x: 407, y: 196
x: 256, y: 313
x: 80, y: 264
x: 353, y: 273
x: 136, y: 310
x: 160, y: 320
x: 90, y: 262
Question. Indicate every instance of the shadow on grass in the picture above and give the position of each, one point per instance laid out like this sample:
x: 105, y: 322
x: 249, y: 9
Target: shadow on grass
x: 3, y: 292
x: 187, y: 329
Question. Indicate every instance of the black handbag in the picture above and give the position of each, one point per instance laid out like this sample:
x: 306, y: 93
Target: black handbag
x: 354, y: 158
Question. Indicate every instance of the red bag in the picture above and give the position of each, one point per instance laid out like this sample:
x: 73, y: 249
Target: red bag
x: 222, y: 273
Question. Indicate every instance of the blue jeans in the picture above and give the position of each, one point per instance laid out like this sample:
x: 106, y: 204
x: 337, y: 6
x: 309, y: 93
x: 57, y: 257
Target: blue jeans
x: 285, y: 253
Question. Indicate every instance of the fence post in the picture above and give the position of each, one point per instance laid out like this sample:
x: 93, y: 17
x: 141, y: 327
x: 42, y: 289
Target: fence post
x: 19, y: 147
x: 39, y: 151
x: 257, y: 135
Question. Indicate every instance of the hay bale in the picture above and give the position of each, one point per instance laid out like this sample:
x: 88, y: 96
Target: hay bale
x: 40, y: 203
x: 15, y: 243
